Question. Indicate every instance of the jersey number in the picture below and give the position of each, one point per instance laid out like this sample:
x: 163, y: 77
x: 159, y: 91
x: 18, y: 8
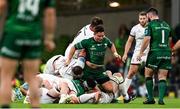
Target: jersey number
x: 163, y: 34
x: 29, y: 5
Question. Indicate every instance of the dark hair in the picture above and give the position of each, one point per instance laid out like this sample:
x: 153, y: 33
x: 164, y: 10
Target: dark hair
x: 142, y: 13
x: 152, y: 10
x: 77, y: 70
x: 99, y: 28
x: 96, y: 21
x: 90, y: 82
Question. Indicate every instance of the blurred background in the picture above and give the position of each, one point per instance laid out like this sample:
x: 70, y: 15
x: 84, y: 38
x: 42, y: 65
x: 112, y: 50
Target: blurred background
x: 119, y: 17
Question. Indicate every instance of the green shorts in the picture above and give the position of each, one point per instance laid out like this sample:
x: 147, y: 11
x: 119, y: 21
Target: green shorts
x: 20, y: 46
x: 96, y: 74
x: 159, y: 60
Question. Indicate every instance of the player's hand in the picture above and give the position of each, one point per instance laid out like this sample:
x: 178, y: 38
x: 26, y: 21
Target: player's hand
x: 50, y: 45
x: 139, y: 56
x: 116, y: 55
x: 67, y: 62
x: 82, y: 53
x: 124, y: 58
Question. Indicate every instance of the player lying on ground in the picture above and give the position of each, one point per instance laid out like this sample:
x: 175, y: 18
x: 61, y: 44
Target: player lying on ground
x: 102, y: 97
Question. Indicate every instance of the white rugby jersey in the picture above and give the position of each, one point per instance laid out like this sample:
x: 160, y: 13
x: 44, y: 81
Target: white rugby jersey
x: 84, y: 33
x: 138, y: 33
x: 53, y: 80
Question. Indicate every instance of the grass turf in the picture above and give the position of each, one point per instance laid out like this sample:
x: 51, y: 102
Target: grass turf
x: 137, y: 103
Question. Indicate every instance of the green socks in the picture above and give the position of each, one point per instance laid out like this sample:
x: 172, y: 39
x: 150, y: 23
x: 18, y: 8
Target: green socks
x: 162, y: 89
x: 149, y: 86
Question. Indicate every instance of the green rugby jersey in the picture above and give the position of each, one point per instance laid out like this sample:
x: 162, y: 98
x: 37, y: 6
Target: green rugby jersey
x: 79, y: 88
x: 95, y: 51
x: 25, y: 16
x: 159, y: 31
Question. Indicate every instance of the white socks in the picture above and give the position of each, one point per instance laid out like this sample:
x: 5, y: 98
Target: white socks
x: 127, y: 83
x: 87, y: 98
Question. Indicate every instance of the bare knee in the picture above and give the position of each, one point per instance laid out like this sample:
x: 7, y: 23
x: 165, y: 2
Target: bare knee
x: 108, y: 86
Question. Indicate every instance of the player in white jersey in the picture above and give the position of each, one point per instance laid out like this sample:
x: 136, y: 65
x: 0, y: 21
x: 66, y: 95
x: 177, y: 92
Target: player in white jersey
x: 85, y: 33
x: 47, y: 83
x: 53, y: 87
x: 56, y: 66
x: 102, y: 97
x: 137, y: 34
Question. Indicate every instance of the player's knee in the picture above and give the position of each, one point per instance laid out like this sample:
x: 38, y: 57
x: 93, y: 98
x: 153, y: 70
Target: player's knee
x: 108, y: 86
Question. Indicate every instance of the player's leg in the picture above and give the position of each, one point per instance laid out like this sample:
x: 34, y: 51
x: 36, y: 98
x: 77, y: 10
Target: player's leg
x: 132, y: 71
x: 162, y: 85
x: 164, y: 66
x: 90, y: 97
x: 149, y: 86
x: 64, y: 91
x: 31, y: 67
x: 8, y: 68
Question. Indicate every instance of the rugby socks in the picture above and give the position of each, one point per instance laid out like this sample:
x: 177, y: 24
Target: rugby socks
x: 162, y: 89
x: 87, y: 98
x: 149, y: 86
x: 127, y: 83
x: 122, y: 88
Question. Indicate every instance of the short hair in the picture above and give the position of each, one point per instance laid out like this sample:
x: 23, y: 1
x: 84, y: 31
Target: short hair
x: 96, y: 21
x: 77, y: 70
x: 142, y: 13
x: 152, y: 10
x: 90, y: 82
x: 99, y: 28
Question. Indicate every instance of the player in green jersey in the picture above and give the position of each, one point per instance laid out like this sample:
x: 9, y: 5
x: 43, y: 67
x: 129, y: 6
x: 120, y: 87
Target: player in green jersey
x: 157, y: 35
x: 22, y: 40
x: 95, y: 48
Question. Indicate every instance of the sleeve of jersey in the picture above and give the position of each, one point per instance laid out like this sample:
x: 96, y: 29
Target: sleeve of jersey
x: 133, y: 33
x: 147, y: 31
x: 81, y: 45
x: 109, y: 42
x: 50, y: 3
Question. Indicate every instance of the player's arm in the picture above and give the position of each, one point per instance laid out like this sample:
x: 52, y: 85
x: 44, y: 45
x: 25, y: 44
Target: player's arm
x: 3, y: 8
x: 114, y: 51
x: 49, y: 27
x: 176, y: 46
x: 80, y: 45
x: 127, y: 47
x: 145, y: 44
x: 71, y: 53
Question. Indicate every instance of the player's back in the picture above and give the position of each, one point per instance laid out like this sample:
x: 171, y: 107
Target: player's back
x: 160, y: 32
x: 25, y: 16
x: 53, y: 80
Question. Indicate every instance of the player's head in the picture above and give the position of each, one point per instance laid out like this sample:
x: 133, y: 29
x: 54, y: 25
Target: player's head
x: 151, y: 13
x: 143, y: 18
x: 77, y: 72
x: 95, y: 21
x: 99, y: 33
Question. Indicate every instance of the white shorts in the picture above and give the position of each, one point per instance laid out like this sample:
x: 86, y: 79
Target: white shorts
x: 49, y: 69
x: 134, y: 58
x: 45, y: 99
x: 105, y: 98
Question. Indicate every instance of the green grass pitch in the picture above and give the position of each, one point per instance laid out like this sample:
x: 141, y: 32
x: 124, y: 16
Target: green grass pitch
x: 137, y: 103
